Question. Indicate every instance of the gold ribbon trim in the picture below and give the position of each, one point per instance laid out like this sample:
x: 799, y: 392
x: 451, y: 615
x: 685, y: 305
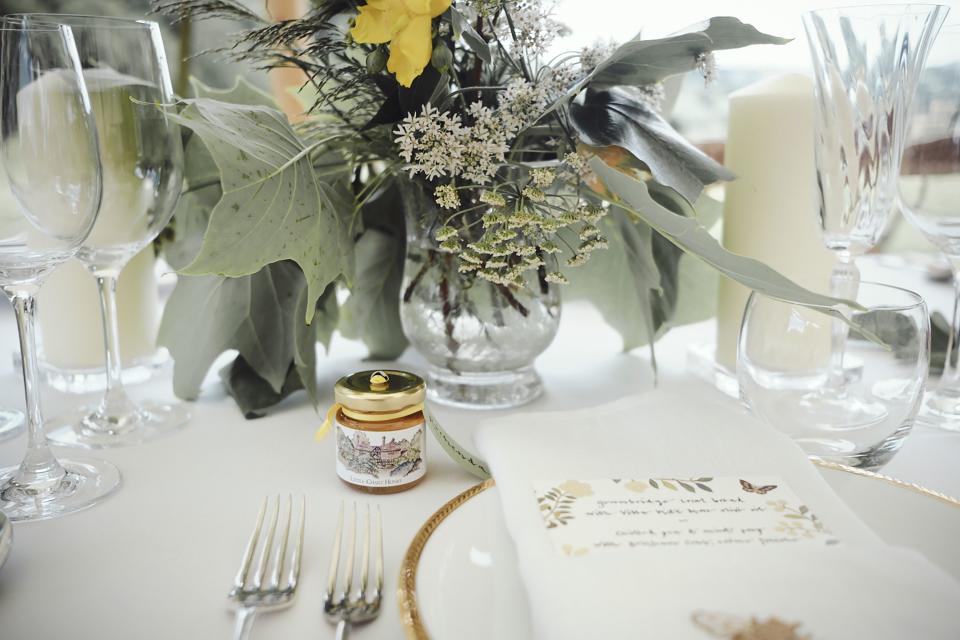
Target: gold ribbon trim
x: 361, y: 416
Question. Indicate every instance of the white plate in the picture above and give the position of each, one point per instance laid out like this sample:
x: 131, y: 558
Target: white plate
x: 460, y: 580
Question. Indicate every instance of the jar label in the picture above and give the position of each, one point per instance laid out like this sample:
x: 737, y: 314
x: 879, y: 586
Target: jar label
x: 381, y: 458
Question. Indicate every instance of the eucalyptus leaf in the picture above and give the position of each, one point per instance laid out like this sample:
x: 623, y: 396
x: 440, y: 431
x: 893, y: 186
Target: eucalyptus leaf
x: 689, y: 285
x: 690, y: 236
x: 620, y: 282
x: 274, y: 207
x: 463, y: 29
x: 619, y: 117
x: 641, y: 62
x: 372, y: 312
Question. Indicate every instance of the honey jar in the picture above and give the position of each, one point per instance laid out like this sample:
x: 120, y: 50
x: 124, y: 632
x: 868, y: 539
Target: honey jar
x: 379, y: 430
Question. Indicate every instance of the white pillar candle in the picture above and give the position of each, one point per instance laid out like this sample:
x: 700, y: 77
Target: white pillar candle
x: 770, y: 210
x: 71, y: 323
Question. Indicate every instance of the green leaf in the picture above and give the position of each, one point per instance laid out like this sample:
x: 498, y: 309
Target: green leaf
x: 619, y: 117
x: 690, y: 236
x: 274, y: 207
x: 705, y: 487
x: 653, y: 483
x: 463, y: 29
x: 261, y: 316
x: 328, y: 317
x: 620, y: 281
x: 183, y: 237
x: 253, y: 394
x: 242, y: 92
x: 669, y: 485
x: 686, y: 487
x: 640, y: 62
x: 372, y: 312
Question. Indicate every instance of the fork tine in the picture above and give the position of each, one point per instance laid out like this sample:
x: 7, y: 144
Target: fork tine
x: 267, y: 546
x: 379, y: 554
x: 294, y: 576
x: 280, y: 555
x: 238, y: 582
x: 335, y: 555
x: 365, y: 562
x: 351, y: 553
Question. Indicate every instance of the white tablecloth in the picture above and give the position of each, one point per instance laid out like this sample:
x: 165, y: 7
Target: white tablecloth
x: 156, y: 559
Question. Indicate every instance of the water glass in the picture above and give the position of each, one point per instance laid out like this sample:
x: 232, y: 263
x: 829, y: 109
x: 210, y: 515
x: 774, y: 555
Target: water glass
x: 783, y: 367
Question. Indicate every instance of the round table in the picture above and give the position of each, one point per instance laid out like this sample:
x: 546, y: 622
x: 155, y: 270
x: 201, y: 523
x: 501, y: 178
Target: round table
x: 157, y: 559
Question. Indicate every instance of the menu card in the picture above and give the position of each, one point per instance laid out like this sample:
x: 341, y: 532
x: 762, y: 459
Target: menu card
x: 621, y: 514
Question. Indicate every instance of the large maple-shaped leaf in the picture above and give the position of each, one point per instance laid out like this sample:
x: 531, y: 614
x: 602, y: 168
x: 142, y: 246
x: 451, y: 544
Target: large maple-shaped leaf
x: 261, y: 316
x: 274, y: 206
x: 372, y: 312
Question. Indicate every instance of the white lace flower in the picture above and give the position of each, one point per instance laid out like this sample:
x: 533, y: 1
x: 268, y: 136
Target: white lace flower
x: 707, y: 66
x: 543, y: 177
x: 652, y: 95
x: 521, y: 104
x: 492, y: 198
x: 429, y: 142
x: 534, y: 27
x: 447, y: 197
x: 592, y: 56
x: 446, y: 232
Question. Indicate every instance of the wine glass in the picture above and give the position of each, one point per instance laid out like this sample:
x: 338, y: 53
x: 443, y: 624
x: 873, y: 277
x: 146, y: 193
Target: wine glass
x: 866, y: 63
x: 781, y: 360
x: 48, y: 145
x: 125, y: 69
x: 928, y: 196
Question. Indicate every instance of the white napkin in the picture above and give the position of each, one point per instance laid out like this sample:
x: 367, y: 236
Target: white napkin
x: 860, y: 588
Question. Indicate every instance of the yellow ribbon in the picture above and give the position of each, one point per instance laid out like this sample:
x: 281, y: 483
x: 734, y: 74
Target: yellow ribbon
x: 362, y: 417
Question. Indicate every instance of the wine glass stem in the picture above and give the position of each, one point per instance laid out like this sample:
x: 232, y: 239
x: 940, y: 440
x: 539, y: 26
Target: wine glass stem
x: 844, y: 283
x: 39, y: 468
x: 950, y: 378
x: 115, y: 402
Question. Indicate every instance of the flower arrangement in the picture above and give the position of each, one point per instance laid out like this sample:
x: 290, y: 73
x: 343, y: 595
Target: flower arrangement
x: 535, y: 163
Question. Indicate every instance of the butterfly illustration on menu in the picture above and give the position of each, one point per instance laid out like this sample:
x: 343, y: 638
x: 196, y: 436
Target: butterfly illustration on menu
x: 749, y: 487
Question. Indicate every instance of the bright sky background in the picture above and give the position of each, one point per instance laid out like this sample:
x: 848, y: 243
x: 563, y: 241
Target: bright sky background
x: 622, y: 19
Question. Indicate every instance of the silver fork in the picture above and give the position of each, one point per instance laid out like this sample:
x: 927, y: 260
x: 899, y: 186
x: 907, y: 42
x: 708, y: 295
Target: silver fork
x: 347, y: 607
x: 250, y: 592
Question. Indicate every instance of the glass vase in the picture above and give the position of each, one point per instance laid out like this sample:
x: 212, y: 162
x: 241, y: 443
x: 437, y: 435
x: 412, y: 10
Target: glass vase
x: 479, y: 338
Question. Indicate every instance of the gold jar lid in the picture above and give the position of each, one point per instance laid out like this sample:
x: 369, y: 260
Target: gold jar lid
x: 380, y: 391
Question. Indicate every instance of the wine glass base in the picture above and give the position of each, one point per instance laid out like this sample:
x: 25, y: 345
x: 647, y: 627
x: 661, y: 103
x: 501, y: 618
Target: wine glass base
x: 89, y: 431
x: 941, y: 411
x: 11, y: 424
x: 86, y: 483
x: 841, y: 410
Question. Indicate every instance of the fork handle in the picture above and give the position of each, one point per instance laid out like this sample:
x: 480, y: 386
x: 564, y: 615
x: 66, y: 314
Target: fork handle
x: 343, y: 630
x: 244, y: 622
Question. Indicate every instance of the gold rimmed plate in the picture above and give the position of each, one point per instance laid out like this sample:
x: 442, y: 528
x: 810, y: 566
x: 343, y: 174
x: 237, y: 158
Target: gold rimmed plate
x: 459, y: 578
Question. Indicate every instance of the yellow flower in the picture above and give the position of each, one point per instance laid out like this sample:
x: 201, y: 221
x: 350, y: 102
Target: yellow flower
x: 576, y: 488
x: 637, y: 486
x: 406, y: 25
